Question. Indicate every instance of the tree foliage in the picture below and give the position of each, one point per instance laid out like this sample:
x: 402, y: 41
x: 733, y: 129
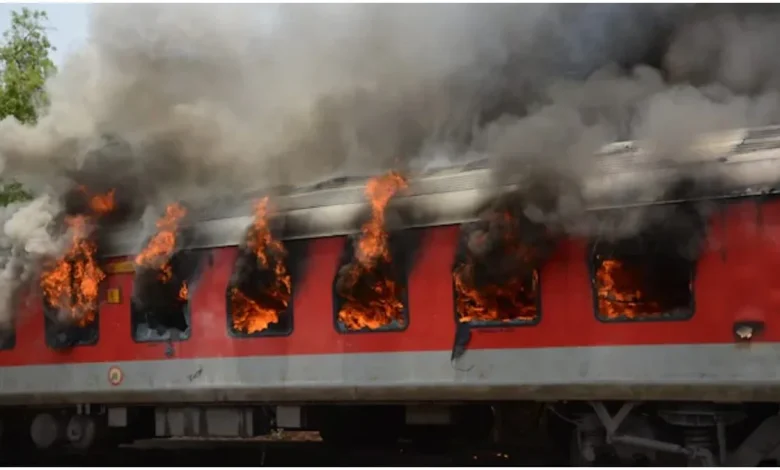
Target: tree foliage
x: 24, y: 67
x: 25, y: 62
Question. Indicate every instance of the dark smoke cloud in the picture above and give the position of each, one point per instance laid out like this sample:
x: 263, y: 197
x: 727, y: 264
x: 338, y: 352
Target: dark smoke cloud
x: 188, y: 102
x: 226, y: 96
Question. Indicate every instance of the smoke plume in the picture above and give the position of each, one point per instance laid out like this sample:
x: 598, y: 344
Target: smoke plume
x: 27, y: 241
x: 190, y: 102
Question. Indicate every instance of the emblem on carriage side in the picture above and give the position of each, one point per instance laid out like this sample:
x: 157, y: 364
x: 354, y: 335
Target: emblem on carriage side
x: 115, y: 375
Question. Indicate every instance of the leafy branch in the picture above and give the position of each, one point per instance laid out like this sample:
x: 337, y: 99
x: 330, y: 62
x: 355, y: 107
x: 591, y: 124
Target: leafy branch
x: 25, y: 66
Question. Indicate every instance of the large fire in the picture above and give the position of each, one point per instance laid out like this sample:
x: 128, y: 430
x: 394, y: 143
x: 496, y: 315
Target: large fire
x: 71, y: 284
x: 371, y: 297
x: 161, y: 246
x: 256, y: 313
x: 482, y: 296
x: 619, y: 295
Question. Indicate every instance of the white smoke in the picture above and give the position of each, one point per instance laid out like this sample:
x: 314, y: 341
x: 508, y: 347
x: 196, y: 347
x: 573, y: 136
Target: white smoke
x: 27, y: 242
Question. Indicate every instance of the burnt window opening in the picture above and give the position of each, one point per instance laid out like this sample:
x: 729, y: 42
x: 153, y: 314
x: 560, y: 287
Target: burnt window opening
x: 649, y: 276
x: 71, y: 287
x: 160, y: 304
x: 496, y: 274
x: 72, y: 314
x: 369, y: 290
x: 260, y: 291
x: 634, y: 281
x: 7, y: 338
x: 373, y: 297
x: 165, y: 279
x: 67, y: 334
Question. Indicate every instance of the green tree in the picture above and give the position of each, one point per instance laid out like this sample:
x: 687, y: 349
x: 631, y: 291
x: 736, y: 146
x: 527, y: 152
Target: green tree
x: 25, y: 66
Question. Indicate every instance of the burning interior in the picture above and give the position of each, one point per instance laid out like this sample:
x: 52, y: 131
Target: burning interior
x: 165, y: 273
x: 259, y: 295
x: 370, y: 287
x: 497, y: 269
x: 649, y: 276
x: 71, y: 283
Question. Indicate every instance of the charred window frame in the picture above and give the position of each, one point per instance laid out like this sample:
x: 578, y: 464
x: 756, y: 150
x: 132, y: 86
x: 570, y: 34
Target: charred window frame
x: 156, y: 313
x: 245, y: 268
x: 532, y: 279
x: 671, y: 277
x: 664, y: 253
x: 65, y: 334
x: 402, y: 245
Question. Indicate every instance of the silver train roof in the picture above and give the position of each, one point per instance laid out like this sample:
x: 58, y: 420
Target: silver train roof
x: 749, y: 158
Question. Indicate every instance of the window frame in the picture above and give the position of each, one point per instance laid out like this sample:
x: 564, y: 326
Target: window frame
x: 296, y: 252
x: 92, y: 329
x: 347, y: 255
x: 460, y: 258
x: 199, y: 257
x: 180, y: 338
x: 590, y: 258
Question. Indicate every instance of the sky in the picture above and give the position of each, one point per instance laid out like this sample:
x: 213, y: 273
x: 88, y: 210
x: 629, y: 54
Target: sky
x: 67, y: 24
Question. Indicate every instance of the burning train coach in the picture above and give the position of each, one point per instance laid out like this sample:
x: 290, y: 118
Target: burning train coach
x: 468, y: 312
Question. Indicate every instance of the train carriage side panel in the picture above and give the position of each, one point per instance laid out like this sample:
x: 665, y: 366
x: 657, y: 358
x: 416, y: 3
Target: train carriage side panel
x: 569, y: 354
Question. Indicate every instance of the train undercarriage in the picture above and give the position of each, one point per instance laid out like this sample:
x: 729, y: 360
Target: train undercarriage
x: 579, y: 433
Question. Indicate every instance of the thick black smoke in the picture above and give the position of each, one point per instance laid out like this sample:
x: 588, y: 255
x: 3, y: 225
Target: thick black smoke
x: 225, y: 96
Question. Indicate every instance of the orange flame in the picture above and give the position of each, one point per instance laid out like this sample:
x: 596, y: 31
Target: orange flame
x: 158, y: 251
x: 100, y: 204
x: 511, y: 300
x: 254, y: 315
x: 618, y: 295
x: 184, y: 292
x: 71, y: 284
x: 377, y: 303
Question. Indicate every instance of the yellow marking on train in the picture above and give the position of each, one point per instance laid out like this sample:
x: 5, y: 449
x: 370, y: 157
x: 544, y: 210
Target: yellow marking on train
x: 114, y: 296
x: 120, y: 267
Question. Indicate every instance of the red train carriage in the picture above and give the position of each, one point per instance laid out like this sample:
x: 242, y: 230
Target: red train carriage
x: 662, y: 342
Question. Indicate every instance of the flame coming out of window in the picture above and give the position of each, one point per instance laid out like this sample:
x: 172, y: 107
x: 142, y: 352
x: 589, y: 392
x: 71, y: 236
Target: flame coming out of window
x: 509, y: 297
x: 253, y: 314
x: 157, y: 253
x: 103, y: 203
x: 372, y: 298
x: 71, y: 283
x: 619, y: 295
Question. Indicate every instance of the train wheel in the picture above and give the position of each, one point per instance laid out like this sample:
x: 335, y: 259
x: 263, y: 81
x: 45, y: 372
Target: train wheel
x: 46, y: 430
x: 81, y: 432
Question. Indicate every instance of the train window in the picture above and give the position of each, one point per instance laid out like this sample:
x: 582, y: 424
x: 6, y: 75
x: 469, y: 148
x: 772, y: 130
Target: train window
x: 260, y: 291
x: 7, y: 338
x: 649, y: 274
x: 63, y: 330
x: 71, y: 292
x: 164, y: 281
x: 370, y: 287
x: 634, y: 281
x: 496, y: 275
x: 370, y: 294
x: 160, y: 304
